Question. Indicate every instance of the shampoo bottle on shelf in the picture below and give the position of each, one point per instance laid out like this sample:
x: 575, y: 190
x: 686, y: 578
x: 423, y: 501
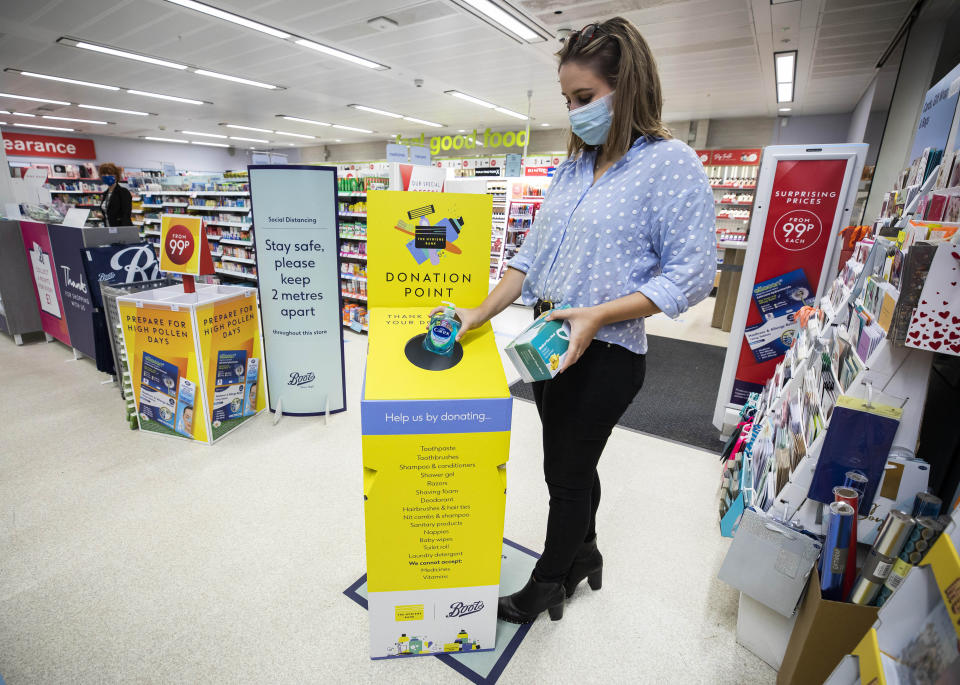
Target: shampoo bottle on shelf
x: 442, y: 333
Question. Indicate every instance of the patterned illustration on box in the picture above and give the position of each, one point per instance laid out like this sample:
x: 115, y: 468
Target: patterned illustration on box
x: 415, y: 645
x: 430, y: 241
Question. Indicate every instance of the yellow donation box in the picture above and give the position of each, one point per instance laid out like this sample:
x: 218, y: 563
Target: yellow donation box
x: 436, y: 430
x: 194, y: 359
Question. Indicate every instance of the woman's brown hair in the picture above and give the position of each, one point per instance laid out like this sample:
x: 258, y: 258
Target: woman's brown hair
x: 617, y: 52
x: 110, y: 168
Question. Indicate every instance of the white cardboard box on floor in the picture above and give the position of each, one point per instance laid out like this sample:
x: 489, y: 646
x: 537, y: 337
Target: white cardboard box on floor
x: 763, y: 631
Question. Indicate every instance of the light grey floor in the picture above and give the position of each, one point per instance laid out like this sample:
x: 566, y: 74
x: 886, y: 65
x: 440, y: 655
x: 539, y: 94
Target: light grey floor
x: 130, y: 558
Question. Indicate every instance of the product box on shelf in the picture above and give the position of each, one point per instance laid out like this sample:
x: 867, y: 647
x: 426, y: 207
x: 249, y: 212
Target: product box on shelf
x: 194, y: 359
x: 436, y: 431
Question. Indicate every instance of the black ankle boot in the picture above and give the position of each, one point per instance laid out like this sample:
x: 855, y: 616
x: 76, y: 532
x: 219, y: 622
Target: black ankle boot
x: 524, y: 606
x: 587, y: 564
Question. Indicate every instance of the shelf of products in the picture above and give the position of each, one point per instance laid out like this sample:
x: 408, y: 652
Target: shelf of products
x: 352, y: 220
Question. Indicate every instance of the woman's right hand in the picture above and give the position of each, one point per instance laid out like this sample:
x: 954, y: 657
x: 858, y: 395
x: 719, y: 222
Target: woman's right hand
x: 469, y: 318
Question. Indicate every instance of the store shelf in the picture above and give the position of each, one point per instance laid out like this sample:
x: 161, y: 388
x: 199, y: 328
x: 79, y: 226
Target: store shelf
x: 76, y: 192
x: 148, y: 220
x: 219, y: 193
x: 732, y: 245
x: 136, y: 211
x: 218, y: 208
x: 237, y: 274
x: 351, y: 193
x: 728, y: 186
x: 241, y: 260
x: 736, y: 204
x: 352, y: 237
x: 232, y: 241
x: 354, y: 256
x: 732, y: 218
x: 351, y: 277
x: 245, y: 226
x: 362, y: 327
x: 214, y: 238
x: 150, y: 232
x: 350, y: 296
x: 174, y: 204
x: 358, y: 215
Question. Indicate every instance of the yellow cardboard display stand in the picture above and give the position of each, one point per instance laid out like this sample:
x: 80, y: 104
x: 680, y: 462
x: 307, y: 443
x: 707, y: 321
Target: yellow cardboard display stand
x: 194, y: 359
x: 435, y: 442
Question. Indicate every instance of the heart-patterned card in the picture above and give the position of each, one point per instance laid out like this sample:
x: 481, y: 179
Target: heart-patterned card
x: 935, y: 324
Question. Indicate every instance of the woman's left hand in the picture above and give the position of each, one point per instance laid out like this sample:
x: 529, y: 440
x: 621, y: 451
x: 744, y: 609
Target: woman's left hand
x: 584, y: 324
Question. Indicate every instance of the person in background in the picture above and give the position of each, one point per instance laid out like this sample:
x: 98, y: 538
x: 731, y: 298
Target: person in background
x: 626, y: 231
x: 117, y: 201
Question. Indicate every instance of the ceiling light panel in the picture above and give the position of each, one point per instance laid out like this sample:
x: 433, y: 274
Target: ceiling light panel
x: 470, y: 98
x: 62, y: 79
x: 236, y: 79
x: 115, y: 109
x: 303, y: 121
x: 166, y: 140
x: 504, y: 20
x: 295, y: 135
x: 115, y: 52
x: 374, y: 110
x: 203, y: 135
x: 80, y: 121
x: 249, y: 128
x: 31, y: 99
x: 340, y: 54
x: 233, y: 18
x: 352, y: 128
x: 47, y: 128
x: 424, y: 122
x: 249, y: 140
x: 209, y: 144
x: 510, y: 113
x: 172, y: 98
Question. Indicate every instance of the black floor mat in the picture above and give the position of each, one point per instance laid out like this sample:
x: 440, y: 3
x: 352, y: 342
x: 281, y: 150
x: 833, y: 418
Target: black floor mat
x: 678, y: 395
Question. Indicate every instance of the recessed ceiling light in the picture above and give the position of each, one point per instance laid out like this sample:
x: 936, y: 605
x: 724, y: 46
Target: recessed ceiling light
x: 160, y: 96
x: 166, y: 140
x: 337, y: 140
x: 340, y: 54
x: 505, y: 20
x: 249, y: 140
x: 203, y: 142
x: 291, y: 144
x: 24, y: 97
x: 121, y: 53
x: 785, y: 92
x: 785, y: 67
x: 205, y: 135
x: 785, y: 109
x: 461, y: 130
x: 18, y: 114
x: 352, y: 128
x: 303, y: 121
x: 249, y: 128
x: 374, y: 110
x: 470, y: 98
x: 48, y: 128
x: 81, y: 121
x: 234, y: 18
x: 78, y: 82
x: 115, y: 109
x: 235, y: 79
x: 544, y: 124
x: 295, y: 135
x: 510, y: 113
x: 424, y: 122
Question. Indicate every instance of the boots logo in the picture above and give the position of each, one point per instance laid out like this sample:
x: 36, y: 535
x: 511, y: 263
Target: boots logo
x: 301, y: 379
x: 138, y: 263
x: 458, y: 609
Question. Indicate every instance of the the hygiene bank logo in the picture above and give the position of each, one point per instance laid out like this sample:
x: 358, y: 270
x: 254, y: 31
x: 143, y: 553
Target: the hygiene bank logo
x: 459, y: 609
x: 429, y: 240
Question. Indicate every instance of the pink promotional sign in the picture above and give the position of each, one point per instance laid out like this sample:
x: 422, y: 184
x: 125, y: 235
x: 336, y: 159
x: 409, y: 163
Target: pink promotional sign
x: 36, y: 241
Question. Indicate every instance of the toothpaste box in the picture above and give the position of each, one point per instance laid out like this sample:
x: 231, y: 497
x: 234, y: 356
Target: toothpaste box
x: 539, y: 350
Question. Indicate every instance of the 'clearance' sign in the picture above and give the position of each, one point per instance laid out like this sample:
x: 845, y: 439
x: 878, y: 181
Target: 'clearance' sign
x: 32, y: 145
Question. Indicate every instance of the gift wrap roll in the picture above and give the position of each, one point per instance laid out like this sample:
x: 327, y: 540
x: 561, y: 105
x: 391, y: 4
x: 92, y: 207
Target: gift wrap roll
x: 857, y: 481
x: 836, y: 550
x: 924, y: 534
x: 851, y: 497
x: 876, y: 569
x: 926, y: 504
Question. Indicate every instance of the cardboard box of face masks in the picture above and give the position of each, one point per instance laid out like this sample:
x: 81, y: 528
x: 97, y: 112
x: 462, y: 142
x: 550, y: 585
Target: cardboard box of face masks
x: 539, y: 350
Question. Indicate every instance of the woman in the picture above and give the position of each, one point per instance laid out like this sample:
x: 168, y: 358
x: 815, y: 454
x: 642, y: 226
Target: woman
x: 116, y: 203
x: 626, y: 231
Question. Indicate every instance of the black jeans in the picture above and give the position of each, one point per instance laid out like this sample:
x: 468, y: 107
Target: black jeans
x: 578, y: 410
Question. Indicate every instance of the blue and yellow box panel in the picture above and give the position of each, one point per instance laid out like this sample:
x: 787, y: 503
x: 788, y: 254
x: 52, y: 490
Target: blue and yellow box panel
x: 435, y: 442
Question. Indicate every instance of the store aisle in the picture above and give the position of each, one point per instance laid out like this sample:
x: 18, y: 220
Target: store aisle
x: 128, y: 557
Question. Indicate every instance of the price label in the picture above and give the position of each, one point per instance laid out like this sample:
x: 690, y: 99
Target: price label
x: 180, y: 238
x: 179, y: 245
x: 797, y: 230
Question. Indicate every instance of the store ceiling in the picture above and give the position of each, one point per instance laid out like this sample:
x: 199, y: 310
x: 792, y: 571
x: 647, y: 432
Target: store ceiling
x: 715, y: 57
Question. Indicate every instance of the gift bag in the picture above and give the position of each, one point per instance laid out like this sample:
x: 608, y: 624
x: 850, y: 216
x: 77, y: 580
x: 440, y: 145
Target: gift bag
x: 935, y: 324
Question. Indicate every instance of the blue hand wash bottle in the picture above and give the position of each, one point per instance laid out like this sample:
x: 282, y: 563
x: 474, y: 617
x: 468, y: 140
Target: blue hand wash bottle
x: 443, y: 330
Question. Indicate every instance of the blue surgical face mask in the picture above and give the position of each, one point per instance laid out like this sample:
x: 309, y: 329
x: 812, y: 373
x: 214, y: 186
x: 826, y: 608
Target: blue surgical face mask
x: 592, y: 122
x: 108, y: 179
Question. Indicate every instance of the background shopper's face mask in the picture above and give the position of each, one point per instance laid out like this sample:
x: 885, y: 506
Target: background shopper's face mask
x: 108, y: 179
x: 592, y: 122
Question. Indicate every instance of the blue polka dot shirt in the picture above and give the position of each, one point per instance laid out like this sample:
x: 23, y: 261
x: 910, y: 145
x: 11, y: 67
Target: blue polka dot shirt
x: 647, y: 225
